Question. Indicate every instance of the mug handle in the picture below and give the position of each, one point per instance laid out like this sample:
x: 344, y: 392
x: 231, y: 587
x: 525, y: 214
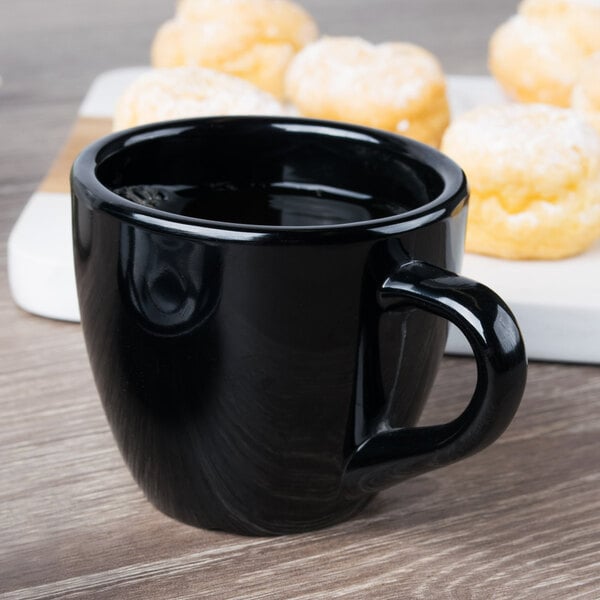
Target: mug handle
x: 392, y: 455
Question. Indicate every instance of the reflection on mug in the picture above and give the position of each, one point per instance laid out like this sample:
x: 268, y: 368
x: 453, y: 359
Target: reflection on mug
x: 171, y: 283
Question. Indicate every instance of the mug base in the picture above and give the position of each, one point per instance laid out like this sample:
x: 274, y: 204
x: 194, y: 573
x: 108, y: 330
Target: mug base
x: 240, y: 525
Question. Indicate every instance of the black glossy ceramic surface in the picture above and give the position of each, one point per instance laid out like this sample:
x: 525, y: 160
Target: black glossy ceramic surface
x: 262, y: 377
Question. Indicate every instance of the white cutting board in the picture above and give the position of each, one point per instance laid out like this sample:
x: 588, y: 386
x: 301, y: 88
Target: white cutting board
x: 557, y: 303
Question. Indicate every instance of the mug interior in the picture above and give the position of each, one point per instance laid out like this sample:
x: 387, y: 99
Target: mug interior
x: 269, y: 172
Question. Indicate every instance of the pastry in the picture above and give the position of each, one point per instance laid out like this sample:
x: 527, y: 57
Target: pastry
x: 395, y: 86
x: 585, y: 98
x: 163, y: 94
x: 251, y: 39
x: 537, y: 54
x: 534, y: 177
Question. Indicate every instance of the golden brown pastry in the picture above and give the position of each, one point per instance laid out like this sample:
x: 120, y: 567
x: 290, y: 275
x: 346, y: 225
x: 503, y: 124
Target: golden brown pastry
x: 585, y: 98
x: 163, y: 94
x: 534, y: 176
x: 537, y: 54
x: 395, y: 86
x: 251, y: 39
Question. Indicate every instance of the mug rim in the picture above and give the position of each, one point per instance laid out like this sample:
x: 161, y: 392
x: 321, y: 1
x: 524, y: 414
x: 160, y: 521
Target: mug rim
x: 454, y: 193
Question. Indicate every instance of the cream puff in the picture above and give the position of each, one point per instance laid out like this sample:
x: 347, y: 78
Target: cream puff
x: 251, y: 39
x: 398, y: 87
x: 534, y: 177
x: 164, y: 94
x: 537, y: 54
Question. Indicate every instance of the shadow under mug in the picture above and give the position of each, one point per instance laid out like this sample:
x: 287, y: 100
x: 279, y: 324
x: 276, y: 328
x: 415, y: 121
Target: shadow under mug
x: 261, y: 304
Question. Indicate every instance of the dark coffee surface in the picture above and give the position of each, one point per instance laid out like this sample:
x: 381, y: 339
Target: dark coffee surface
x: 283, y: 174
x: 276, y: 205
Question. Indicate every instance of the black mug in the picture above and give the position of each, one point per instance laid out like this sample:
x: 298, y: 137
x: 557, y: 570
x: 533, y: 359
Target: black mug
x: 265, y: 304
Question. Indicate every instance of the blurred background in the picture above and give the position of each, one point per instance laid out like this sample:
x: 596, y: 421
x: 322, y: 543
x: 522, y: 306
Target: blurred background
x: 46, y: 70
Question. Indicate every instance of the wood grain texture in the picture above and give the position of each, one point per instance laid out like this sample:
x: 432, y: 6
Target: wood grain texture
x: 84, y: 132
x: 520, y: 520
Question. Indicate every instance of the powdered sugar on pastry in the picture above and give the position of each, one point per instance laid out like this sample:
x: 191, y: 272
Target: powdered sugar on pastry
x: 394, y: 86
x: 164, y: 94
x: 534, y: 175
x: 537, y: 54
x: 586, y: 92
x: 251, y: 39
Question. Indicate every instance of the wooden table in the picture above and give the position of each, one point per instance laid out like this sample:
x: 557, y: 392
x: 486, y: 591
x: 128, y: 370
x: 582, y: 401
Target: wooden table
x: 520, y: 520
